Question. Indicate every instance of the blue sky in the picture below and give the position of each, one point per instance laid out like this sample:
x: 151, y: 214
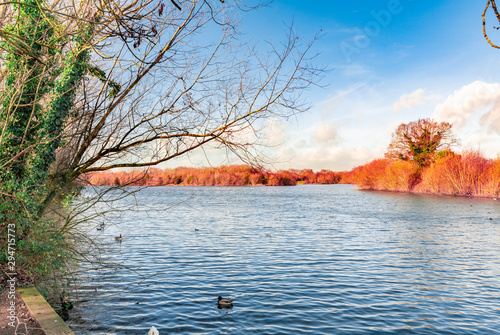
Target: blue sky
x: 391, y: 62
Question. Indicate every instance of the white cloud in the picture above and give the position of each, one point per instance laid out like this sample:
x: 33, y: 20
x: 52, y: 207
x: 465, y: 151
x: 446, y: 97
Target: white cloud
x: 487, y: 144
x: 325, y: 134
x: 413, y: 99
x: 491, y: 119
x: 459, y: 107
x: 301, y: 144
x: 336, y: 159
x: 474, y: 111
x: 275, y: 133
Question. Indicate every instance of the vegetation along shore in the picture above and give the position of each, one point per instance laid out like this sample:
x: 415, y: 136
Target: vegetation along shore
x: 419, y: 160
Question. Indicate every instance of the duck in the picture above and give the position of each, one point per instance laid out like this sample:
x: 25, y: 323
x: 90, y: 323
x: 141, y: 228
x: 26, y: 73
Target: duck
x: 153, y: 331
x: 118, y: 238
x: 224, y: 302
x: 101, y: 226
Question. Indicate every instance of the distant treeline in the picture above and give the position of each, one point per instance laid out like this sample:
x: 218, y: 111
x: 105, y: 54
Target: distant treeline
x: 466, y: 174
x: 234, y: 175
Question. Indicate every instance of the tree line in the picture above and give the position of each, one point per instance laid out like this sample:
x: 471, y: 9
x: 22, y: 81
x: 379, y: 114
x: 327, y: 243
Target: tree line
x: 235, y: 175
x: 420, y: 159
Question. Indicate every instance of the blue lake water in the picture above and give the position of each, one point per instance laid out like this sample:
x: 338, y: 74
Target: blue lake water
x: 323, y: 259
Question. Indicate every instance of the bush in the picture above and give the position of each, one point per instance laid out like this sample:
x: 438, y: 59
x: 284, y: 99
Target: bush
x: 468, y: 174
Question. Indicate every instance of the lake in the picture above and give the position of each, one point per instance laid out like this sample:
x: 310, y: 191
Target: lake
x: 309, y: 259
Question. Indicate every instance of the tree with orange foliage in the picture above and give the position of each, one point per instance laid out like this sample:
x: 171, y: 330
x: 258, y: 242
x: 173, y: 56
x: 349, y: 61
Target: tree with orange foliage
x: 234, y: 175
x: 419, y: 141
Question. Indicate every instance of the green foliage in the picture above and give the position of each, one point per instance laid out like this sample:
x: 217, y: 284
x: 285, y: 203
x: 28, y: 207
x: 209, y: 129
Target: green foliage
x: 38, y: 96
x: 115, y: 87
x: 444, y: 153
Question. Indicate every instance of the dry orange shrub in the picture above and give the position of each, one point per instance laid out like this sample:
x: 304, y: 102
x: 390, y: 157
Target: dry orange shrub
x: 234, y: 175
x: 399, y: 176
x: 468, y: 174
x: 384, y: 175
x: 352, y: 177
x: 435, y: 177
x: 462, y: 175
x: 282, y: 178
x: 491, y: 179
x: 371, y: 175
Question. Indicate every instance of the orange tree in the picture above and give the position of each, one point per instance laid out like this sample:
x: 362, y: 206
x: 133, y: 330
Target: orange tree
x: 420, y: 141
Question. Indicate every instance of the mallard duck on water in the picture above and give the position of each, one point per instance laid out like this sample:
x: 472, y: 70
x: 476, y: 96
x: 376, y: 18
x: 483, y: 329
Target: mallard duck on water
x: 224, y: 302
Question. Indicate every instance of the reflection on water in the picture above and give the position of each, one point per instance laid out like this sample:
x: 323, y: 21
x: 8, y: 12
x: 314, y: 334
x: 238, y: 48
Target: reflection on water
x: 299, y: 260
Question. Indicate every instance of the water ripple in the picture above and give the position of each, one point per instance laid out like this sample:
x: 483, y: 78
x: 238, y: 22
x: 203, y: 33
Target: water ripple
x: 298, y: 260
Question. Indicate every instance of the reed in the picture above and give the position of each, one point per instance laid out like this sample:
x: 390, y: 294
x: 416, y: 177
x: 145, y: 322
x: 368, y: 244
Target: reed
x: 466, y: 174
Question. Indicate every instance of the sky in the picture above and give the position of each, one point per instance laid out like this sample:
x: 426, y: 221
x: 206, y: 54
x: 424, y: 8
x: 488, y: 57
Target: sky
x: 390, y: 62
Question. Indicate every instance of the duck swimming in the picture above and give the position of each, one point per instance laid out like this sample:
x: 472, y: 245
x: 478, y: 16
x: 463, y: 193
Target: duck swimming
x: 153, y: 331
x: 224, y: 302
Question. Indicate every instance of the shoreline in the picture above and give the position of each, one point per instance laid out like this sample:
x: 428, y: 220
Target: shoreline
x: 429, y: 193
x: 48, y: 320
x: 307, y: 184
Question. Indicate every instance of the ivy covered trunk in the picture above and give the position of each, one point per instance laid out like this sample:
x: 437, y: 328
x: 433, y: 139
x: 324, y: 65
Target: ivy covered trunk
x: 44, y: 70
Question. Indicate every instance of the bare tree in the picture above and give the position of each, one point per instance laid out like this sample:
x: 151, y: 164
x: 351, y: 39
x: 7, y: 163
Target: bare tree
x: 182, y: 79
x: 165, y: 79
x: 97, y: 85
